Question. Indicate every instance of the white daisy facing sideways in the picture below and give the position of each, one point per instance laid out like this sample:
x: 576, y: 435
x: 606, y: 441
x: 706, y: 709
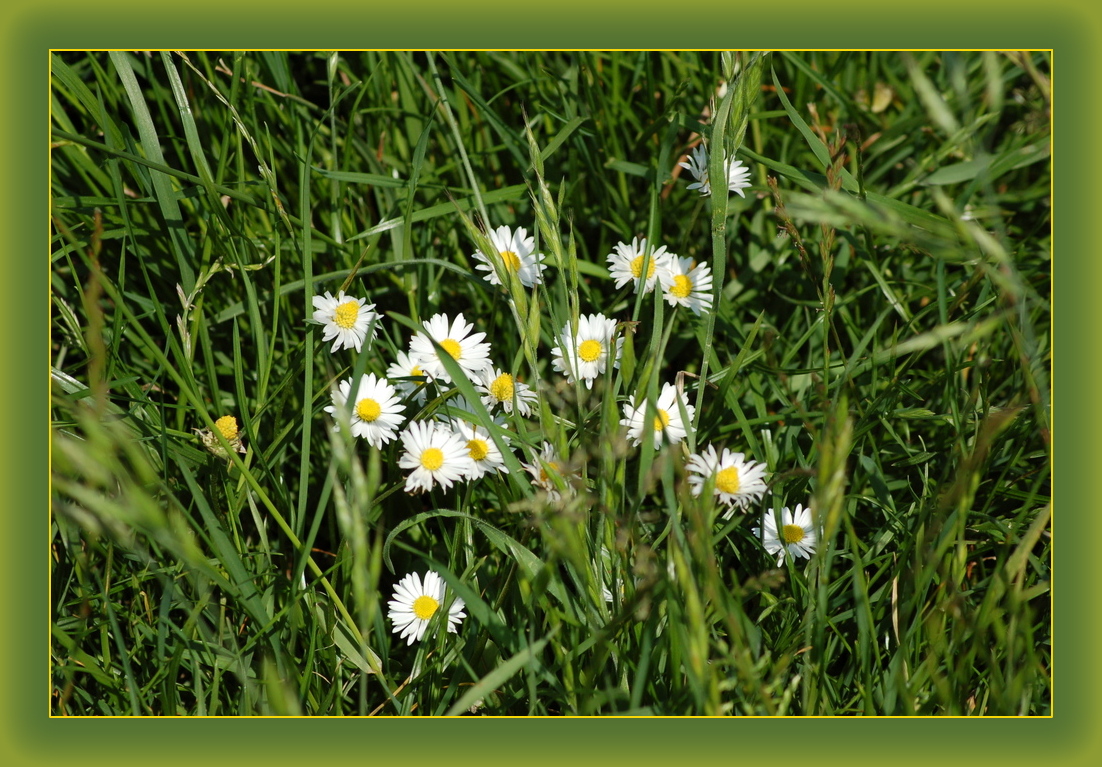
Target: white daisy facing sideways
x: 738, y: 481
x: 738, y: 175
x: 377, y: 414
x: 415, y: 602
x: 436, y: 455
x: 667, y: 421
x: 405, y: 367
x: 500, y: 388
x: 796, y: 538
x: 686, y: 285
x: 456, y: 338
x: 625, y: 263
x: 585, y: 355
x: 345, y: 318
x: 517, y: 252
x: 541, y: 466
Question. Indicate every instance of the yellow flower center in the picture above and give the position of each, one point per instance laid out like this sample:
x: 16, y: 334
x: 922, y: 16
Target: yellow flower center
x: 432, y: 458
x: 637, y: 267
x: 543, y: 472
x: 452, y: 347
x: 368, y: 409
x: 512, y: 261
x: 227, y: 424
x: 478, y: 449
x: 793, y: 533
x: 727, y: 480
x: 424, y: 607
x: 589, y: 350
x: 662, y: 420
x: 502, y: 388
x: 416, y: 371
x: 346, y: 314
x: 682, y: 286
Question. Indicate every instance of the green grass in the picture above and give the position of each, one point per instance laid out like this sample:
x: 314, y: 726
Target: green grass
x: 880, y: 341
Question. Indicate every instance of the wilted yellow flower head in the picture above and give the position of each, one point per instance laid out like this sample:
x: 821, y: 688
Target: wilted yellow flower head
x: 227, y: 425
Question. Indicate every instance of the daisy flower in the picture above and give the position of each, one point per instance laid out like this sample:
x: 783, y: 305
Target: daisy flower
x: 516, y: 252
x: 667, y: 418
x: 407, y: 367
x: 738, y: 482
x: 738, y: 175
x: 481, y: 448
x: 684, y: 285
x: 414, y: 603
x: 547, y: 461
x: 797, y: 536
x: 436, y: 454
x: 345, y: 318
x: 500, y: 388
x: 626, y: 264
x: 466, y: 348
x: 377, y: 414
x: 586, y: 354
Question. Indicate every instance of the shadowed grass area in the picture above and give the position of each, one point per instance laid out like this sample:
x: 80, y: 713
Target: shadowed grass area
x: 878, y: 340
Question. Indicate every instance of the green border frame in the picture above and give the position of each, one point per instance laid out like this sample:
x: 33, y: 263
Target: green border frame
x: 1071, y: 28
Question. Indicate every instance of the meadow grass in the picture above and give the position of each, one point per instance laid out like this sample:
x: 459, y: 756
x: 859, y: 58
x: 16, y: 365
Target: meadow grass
x: 879, y: 340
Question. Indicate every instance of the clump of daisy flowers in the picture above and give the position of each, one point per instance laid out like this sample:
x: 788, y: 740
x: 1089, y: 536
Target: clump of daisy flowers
x: 683, y: 282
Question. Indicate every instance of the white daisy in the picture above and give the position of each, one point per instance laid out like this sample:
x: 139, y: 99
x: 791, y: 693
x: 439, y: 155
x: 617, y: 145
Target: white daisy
x: 481, y: 448
x: 503, y: 389
x: 377, y: 414
x: 414, y: 603
x: 666, y: 422
x: 797, y: 536
x: 345, y: 318
x: 682, y: 284
x: 738, y: 175
x: 409, y: 368
x: 516, y: 252
x: 585, y: 355
x: 626, y: 264
x: 436, y: 454
x: 738, y: 482
x: 466, y: 348
x: 543, y: 468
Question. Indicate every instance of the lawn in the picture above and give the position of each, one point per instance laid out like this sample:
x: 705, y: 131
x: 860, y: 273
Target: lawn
x: 325, y: 321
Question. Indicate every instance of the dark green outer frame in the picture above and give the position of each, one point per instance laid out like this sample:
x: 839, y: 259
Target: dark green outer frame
x: 1071, y: 28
